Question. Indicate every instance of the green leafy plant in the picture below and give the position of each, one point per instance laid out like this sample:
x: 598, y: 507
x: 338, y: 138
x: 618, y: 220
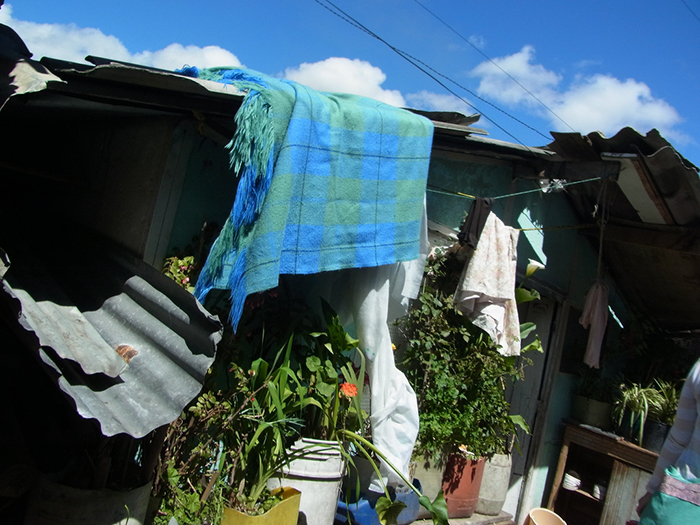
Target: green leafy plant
x: 593, y: 385
x: 458, y: 375
x: 181, y: 270
x: 316, y: 391
x: 333, y: 384
x: 632, y: 408
x: 664, y: 406
x: 226, y: 446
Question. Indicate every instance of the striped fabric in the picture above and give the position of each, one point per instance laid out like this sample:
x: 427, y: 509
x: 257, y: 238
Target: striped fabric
x: 682, y: 447
x: 341, y: 185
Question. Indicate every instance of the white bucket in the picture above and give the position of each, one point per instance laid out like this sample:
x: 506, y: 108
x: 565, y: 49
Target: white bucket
x: 318, y: 477
x: 543, y: 517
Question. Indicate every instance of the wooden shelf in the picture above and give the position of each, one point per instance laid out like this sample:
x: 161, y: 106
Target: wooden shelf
x: 584, y: 494
x: 601, y: 457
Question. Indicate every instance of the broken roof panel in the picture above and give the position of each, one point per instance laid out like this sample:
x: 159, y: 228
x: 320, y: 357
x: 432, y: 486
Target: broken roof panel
x: 127, y: 344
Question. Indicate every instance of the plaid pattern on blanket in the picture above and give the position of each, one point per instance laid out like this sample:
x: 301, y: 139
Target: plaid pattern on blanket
x: 346, y: 189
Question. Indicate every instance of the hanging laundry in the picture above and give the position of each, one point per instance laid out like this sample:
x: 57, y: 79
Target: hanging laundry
x: 368, y: 300
x: 475, y: 221
x: 486, y: 289
x: 328, y: 181
x: 595, y: 316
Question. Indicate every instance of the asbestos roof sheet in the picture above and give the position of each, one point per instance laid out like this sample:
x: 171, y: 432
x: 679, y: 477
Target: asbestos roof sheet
x: 125, y: 343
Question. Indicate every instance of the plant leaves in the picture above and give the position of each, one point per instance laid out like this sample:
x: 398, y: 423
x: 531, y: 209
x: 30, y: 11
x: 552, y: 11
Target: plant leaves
x: 523, y: 295
x: 388, y: 511
x: 325, y: 389
x: 437, y: 508
x: 519, y: 421
x: 313, y: 363
x: 526, y: 329
x: 535, y: 345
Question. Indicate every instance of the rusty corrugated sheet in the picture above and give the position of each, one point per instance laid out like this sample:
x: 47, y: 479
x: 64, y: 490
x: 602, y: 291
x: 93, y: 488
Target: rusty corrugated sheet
x: 129, y: 346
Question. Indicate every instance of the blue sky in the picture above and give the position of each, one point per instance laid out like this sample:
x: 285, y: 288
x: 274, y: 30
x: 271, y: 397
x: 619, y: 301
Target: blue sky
x: 595, y: 65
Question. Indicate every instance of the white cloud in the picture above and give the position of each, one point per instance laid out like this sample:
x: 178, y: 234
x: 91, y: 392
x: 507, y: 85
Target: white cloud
x: 495, y: 84
x: 73, y: 43
x: 605, y: 103
x: 590, y: 103
x: 175, y: 56
x: 344, y: 75
x: 477, y: 41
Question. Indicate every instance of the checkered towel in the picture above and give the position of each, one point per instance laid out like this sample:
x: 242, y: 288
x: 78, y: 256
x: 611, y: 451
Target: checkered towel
x: 328, y: 181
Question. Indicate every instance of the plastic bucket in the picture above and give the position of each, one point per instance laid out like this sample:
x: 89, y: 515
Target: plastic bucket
x: 494, y: 485
x: 318, y: 476
x: 543, y: 517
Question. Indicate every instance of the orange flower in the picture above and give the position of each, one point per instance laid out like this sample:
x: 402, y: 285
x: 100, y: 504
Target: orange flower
x: 348, y: 390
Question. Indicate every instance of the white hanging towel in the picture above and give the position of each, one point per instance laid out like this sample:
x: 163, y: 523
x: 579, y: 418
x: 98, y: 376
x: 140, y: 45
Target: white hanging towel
x: 486, y: 290
x: 595, y: 315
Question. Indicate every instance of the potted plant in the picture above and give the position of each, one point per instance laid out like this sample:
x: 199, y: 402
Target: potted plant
x: 459, y: 378
x: 632, y: 408
x: 662, y: 414
x: 594, y: 399
x: 220, y: 454
x: 317, y: 388
x: 332, y: 390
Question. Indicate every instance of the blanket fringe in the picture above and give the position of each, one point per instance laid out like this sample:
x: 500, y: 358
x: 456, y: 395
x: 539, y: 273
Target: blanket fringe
x: 236, y: 284
x: 251, y: 154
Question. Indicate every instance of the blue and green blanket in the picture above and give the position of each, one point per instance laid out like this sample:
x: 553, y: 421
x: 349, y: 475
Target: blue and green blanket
x: 327, y: 181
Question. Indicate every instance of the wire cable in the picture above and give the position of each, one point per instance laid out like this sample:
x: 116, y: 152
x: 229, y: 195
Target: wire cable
x: 495, y: 64
x: 425, y: 68
x: 434, y: 189
x: 691, y: 10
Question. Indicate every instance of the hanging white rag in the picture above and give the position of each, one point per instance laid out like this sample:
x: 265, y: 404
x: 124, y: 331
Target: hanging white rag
x: 486, y: 290
x: 595, y: 315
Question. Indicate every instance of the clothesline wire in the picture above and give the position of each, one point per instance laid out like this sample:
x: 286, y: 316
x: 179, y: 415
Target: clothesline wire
x: 465, y: 195
x: 574, y: 227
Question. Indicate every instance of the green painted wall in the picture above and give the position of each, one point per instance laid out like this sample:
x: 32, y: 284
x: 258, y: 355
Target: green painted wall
x: 570, y: 257
x: 208, y: 191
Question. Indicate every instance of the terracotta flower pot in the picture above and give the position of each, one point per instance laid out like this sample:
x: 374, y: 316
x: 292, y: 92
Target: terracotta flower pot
x: 461, y: 482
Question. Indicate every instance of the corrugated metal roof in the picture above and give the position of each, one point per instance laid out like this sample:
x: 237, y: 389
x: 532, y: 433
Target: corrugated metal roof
x: 127, y: 344
x: 655, y: 262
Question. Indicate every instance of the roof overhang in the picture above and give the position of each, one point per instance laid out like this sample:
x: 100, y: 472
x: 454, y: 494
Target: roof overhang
x: 651, y: 232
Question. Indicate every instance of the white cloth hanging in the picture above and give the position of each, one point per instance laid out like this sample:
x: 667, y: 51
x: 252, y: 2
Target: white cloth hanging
x: 595, y: 316
x: 394, y: 413
x: 486, y: 290
x: 367, y: 300
x: 380, y: 296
